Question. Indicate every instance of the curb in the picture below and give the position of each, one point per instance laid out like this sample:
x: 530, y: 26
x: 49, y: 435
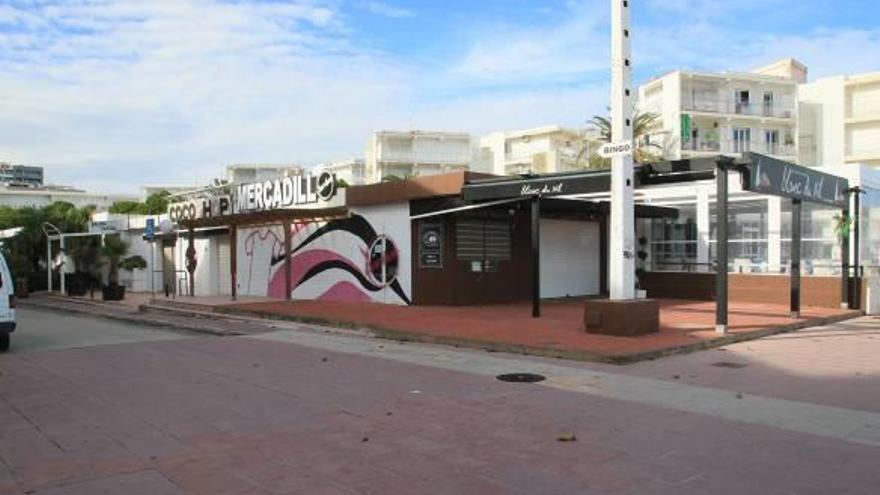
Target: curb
x: 134, y: 317
x: 574, y: 355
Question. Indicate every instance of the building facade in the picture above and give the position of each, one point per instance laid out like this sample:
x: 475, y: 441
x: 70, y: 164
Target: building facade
x: 840, y: 120
x: 21, y: 175
x: 352, y: 172
x: 402, y: 154
x: 24, y: 196
x: 254, y: 172
x: 539, y: 150
x: 706, y: 114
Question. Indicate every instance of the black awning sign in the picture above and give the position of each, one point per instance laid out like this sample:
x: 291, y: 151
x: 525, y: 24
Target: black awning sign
x: 779, y: 178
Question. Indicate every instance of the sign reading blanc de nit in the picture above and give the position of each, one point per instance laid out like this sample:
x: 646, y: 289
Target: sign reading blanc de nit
x: 299, y: 191
x: 779, y: 178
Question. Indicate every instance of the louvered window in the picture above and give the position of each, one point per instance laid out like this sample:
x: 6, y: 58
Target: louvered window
x: 479, y: 239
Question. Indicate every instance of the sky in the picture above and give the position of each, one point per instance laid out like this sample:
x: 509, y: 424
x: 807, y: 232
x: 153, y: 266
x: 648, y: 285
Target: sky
x: 110, y: 95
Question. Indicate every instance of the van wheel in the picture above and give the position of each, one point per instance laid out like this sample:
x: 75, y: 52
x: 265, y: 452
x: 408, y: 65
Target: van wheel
x: 4, y: 342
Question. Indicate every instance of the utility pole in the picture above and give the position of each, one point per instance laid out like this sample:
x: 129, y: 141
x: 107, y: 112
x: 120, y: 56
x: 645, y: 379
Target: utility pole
x: 622, y: 236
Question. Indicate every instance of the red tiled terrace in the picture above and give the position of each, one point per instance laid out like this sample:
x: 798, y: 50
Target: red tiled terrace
x: 685, y: 325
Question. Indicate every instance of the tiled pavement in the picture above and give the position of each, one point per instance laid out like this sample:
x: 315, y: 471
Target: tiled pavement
x: 252, y: 415
x: 559, y: 332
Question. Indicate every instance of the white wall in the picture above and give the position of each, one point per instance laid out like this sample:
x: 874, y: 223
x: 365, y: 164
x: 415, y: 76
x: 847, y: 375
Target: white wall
x: 330, y: 261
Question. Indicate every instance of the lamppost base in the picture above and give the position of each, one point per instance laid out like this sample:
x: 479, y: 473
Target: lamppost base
x: 721, y: 329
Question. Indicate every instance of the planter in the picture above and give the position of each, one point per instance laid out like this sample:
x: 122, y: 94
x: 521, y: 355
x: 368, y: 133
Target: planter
x: 77, y: 284
x: 113, y: 292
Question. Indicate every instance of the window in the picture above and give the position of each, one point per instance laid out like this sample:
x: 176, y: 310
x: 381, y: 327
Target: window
x: 742, y: 98
x: 483, y: 241
x: 747, y: 235
x: 673, y: 243
x: 768, y: 103
x: 742, y: 137
x: 771, y: 141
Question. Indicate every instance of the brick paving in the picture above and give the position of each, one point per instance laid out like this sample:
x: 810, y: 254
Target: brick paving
x: 835, y: 365
x: 558, y: 332
x: 246, y: 415
x: 228, y: 416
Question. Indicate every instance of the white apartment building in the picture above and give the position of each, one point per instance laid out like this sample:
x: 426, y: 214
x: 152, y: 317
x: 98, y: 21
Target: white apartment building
x: 353, y: 171
x: 24, y: 196
x: 255, y: 172
x: 840, y: 120
x: 704, y: 114
x: 539, y: 150
x: 413, y: 153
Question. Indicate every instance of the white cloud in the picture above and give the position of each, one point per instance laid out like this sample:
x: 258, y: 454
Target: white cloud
x: 387, y: 10
x: 576, y: 46
x: 114, y: 94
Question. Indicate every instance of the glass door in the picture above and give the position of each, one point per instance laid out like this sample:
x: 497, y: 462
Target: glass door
x: 743, y: 99
x: 771, y: 141
x: 742, y: 137
x: 768, y: 103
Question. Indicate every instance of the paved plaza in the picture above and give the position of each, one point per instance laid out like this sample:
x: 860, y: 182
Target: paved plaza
x: 119, y: 408
x: 559, y: 332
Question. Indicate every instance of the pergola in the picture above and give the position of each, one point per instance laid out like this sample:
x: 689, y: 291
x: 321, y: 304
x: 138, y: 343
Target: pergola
x: 758, y: 173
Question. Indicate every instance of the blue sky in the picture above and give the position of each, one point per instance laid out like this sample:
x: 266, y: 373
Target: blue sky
x: 112, y: 94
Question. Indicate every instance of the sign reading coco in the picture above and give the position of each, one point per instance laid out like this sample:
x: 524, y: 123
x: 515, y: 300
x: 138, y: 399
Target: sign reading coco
x: 285, y: 192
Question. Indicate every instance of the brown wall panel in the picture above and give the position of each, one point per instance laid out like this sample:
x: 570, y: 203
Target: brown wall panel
x: 456, y: 284
x: 773, y: 289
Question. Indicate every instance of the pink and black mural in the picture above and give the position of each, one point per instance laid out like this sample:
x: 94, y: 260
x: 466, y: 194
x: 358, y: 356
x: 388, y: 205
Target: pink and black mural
x: 341, y: 260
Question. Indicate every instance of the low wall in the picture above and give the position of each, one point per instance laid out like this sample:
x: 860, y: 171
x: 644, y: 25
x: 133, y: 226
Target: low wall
x: 823, y: 292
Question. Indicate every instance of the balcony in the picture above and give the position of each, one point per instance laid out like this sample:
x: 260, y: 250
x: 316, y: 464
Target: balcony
x: 731, y: 146
x: 438, y: 157
x: 858, y: 114
x: 781, y: 109
x: 863, y: 152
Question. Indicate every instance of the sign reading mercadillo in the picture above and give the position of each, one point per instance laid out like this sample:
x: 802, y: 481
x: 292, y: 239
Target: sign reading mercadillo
x: 299, y: 191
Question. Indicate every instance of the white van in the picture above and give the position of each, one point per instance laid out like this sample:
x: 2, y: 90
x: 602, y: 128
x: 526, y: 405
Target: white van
x: 7, y: 304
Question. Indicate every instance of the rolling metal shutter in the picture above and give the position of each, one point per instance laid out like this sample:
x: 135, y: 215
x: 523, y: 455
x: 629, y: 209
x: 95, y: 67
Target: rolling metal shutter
x: 569, y: 258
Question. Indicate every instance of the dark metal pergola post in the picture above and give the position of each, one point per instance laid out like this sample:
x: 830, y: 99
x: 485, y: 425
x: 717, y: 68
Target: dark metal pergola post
x: 536, y: 256
x: 857, y: 269
x: 795, y: 272
x: 721, y: 295
x: 191, y: 261
x: 288, y: 281
x: 233, y: 260
x: 844, y: 266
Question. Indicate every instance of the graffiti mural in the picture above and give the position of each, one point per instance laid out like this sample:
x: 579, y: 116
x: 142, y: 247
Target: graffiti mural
x: 349, y: 259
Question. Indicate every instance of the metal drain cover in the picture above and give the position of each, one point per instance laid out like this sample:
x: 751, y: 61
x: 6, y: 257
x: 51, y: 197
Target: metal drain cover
x: 521, y: 377
x: 729, y: 364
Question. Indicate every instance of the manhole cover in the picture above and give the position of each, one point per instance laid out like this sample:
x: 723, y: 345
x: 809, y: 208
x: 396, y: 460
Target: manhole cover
x: 729, y: 364
x: 521, y: 377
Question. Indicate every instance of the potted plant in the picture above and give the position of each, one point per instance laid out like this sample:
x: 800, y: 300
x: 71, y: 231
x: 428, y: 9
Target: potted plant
x: 642, y: 255
x: 87, y: 263
x: 842, y: 226
x: 114, y: 249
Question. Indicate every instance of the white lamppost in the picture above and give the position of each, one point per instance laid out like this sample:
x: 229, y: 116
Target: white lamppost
x: 622, y: 235
x: 60, y: 235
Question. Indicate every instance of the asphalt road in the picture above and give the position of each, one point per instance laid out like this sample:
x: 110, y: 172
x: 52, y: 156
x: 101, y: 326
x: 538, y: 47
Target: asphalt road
x: 38, y: 330
x: 95, y: 406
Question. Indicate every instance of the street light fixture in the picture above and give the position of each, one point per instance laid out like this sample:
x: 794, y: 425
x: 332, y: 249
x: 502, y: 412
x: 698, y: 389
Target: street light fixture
x: 60, y: 235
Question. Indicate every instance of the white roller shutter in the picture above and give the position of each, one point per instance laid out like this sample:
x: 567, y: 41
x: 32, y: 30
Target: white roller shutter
x: 224, y: 262
x: 569, y: 258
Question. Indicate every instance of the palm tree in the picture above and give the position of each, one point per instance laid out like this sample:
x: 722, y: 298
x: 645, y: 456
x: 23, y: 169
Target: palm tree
x: 643, y: 125
x: 114, y: 249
